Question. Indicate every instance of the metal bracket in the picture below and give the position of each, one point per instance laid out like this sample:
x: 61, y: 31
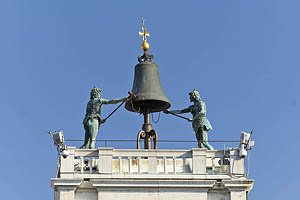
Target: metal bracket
x: 148, y: 137
x: 146, y: 58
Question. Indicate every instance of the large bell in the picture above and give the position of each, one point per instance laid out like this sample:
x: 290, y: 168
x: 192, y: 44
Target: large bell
x: 147, y: 89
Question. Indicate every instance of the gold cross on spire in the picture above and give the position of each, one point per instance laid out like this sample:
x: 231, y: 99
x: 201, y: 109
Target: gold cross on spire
x: 144, y: 34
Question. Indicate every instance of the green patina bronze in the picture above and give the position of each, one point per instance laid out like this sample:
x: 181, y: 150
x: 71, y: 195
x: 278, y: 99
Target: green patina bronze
x: 92, y: 119
x: 200, y: 123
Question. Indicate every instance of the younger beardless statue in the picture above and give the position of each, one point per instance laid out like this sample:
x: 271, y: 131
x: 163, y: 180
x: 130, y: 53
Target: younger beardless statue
x: 200, y: 123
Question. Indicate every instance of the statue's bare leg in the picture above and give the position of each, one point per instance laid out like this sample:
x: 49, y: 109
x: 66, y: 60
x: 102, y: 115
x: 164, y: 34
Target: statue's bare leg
x: 203, y: 135
x: 86, y: 139
x: 199, y: 138
x: 93, y: 125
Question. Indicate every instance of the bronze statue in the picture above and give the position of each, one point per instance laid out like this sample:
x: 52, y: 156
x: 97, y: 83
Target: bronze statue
x: 200, y: 123
x: 92, y: 119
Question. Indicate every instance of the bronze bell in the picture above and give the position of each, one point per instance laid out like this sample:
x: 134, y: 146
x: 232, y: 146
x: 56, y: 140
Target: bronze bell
x: 149, y: 98
x: 148, y: 93
x: 148, y: 90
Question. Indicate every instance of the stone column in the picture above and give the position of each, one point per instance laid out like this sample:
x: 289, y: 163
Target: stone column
x: 199, y: 160
x: 203, y: 194
x: 237, y: 194
x: 152, y: 162
x: 105, y: 160
x: 67, y: 164
x: 237, y: 165
x: 101, y: 195
x: 65, y: 193
x: 238, y: 188
x: 65, y: 188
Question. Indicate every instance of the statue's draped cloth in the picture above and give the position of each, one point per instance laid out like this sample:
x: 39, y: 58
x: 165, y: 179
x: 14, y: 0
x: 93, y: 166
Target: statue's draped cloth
x: 199, y: 120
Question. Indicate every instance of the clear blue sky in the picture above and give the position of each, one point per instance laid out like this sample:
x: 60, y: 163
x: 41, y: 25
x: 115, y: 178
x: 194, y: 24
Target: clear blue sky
x: 242, y: 56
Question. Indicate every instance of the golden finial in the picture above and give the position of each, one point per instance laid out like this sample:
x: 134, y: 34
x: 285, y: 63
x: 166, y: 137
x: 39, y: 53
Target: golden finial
x: 144, y: 34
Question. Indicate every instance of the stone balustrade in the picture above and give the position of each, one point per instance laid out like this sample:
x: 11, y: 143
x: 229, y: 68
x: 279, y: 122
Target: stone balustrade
x: 88, y: 163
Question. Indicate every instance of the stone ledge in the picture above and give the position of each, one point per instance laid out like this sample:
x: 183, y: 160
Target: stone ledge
x: 65, y: 182
x: 158, y: 176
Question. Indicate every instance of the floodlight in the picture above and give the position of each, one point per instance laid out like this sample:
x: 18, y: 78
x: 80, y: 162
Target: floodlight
x: 245, y: 138
x: 58, y: 137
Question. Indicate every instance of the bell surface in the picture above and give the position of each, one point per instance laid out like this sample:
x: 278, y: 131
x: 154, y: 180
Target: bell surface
x: 148, y: 90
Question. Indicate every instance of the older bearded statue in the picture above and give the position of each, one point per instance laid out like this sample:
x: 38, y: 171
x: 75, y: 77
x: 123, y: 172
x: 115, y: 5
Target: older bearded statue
x: 200, y: 123
x: 92, y: 119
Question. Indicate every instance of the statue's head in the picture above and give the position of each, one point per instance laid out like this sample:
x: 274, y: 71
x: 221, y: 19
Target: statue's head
x: 194, y: 96
x: 96, y: 93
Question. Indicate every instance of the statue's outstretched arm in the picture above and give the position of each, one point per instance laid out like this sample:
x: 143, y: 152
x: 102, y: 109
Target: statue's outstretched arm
x: 186, y: 110
x: 113, y: 101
